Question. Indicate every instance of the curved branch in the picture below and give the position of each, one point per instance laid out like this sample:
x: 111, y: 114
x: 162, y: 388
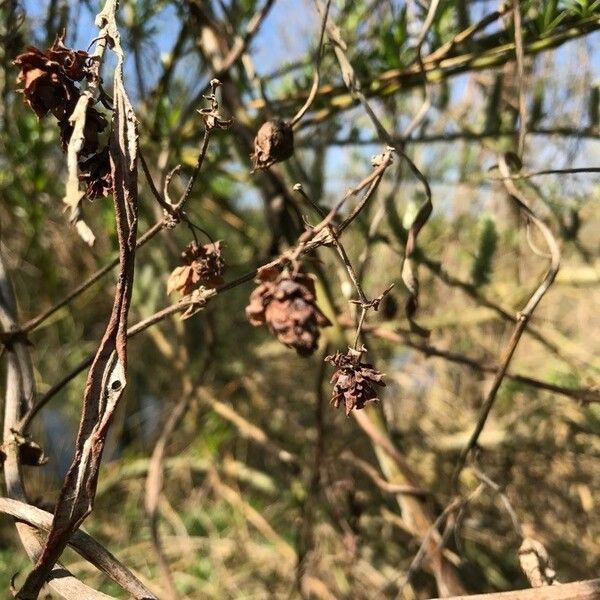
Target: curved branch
x: 83, y: 544
x: 578, y: 590
x: 522, y: 318
x: 19, y: 391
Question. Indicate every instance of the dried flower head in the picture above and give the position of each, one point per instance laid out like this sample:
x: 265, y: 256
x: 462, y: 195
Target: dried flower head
x: 96, y: 174
x: 50, y: 85
x: 286, y: 302
x: 203, y: 265
x: 48, y: 78
x: 74, y: 63
x: 354, y: 381
x: 273, y: 143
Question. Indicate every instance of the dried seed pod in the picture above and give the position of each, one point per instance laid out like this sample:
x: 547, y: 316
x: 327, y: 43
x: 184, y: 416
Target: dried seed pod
x: 354, y: 381
x: 49, y: 85
x: 203, y: 265
x: 74, y: 63
x: 273, y: 143
x: 286, y: 303
x: 45, y: 85
x: 96, y: 174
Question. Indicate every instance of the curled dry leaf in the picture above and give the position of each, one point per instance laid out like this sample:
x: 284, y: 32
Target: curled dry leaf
x: 203, y: 265
x: 273, y: 143
x: 354, y: 381
x: 286, y: 303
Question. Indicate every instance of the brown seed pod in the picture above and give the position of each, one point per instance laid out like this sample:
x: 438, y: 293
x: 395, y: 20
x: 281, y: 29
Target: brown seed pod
x: 286, y: 303
x: 273, y: 143
x: 203, y: 265
x: 49, y: 78
x: 354, y: 381
x: 49, y: 82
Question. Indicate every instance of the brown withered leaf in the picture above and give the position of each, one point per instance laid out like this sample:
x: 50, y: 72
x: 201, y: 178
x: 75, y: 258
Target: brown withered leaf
x: 45, y: 90
x: 268, y: 272
x: 180, y: 279
x: 287, y: 305
x: 49, y: 79
x: 354, y: 381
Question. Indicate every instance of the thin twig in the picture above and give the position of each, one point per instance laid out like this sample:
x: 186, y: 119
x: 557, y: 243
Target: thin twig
x: 317, y: 71
x: 409, y: 273
x: 520, y: 59
x: 382, y: 484
x: 37, y: 321
x: 583, y: 395
x: 549, y: 172
x: 522, y: 318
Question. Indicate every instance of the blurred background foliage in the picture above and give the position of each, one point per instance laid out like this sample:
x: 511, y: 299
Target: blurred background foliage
x: 237, y: 521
